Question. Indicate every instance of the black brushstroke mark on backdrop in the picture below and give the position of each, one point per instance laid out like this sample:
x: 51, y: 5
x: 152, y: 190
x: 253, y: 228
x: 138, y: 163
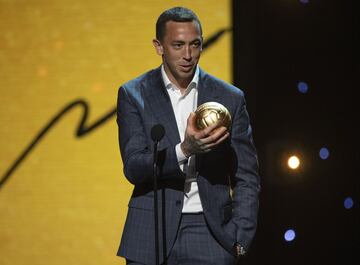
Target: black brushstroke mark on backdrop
x: 82, y: 129
x: 215, y: 37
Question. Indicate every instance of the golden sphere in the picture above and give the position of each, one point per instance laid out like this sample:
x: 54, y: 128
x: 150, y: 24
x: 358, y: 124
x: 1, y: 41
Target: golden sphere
x: 212, y: 113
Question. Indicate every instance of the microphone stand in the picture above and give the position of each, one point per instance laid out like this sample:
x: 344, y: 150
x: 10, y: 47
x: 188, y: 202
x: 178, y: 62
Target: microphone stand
x: 157, y: 133
x: 156, y: 213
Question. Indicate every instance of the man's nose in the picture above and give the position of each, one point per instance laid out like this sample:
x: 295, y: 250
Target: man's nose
x: 187, y: 53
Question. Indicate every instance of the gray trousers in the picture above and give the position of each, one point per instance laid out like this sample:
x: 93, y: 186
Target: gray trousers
x: 195, y: 245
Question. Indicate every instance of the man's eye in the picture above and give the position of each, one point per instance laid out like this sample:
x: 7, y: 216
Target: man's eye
x: 196, y: 44
x: 177, y: 45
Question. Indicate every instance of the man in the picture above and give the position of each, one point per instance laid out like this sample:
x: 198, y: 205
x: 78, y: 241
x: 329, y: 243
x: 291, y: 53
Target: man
x: 209, y: 185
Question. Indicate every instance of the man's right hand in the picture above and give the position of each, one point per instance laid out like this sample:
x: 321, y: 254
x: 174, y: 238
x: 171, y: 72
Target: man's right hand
x: 201, y: 141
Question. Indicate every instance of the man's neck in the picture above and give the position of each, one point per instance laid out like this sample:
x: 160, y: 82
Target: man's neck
x: 181, y: 84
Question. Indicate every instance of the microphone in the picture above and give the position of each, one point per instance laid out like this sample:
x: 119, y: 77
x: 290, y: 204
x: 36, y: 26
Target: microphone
x: 157, y: 132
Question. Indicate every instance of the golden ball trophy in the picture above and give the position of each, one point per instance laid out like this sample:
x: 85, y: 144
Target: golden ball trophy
x: 212, y: 113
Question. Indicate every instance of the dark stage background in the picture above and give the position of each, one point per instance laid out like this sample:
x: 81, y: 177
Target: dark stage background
x: 296, y: 62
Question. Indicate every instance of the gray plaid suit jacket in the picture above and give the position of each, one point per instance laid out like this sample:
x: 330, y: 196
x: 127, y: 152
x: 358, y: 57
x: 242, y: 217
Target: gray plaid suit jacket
x: 227, y: 177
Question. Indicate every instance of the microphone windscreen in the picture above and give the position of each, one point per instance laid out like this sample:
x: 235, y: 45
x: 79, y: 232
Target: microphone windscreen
x: 157, y: 132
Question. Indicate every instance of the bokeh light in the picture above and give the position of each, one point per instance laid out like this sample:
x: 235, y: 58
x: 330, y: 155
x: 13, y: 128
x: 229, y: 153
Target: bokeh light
x: 324, y: 153
x: 304, y: 1
x: 303, y: 87
x: 293, y: 162
x: 290, y: 235
x: 348, y: 203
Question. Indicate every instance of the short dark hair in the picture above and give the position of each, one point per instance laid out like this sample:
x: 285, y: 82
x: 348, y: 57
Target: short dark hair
x: 177, y: 14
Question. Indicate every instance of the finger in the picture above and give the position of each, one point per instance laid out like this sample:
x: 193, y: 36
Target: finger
x: 220, y: 140
x: 210, y: 146
x: 210, y: 128
x: 207, y: 150
x: 217, y: 129
x: 204, y: 149
x: 206, y: 132
x: 217, y: 134
x: 191, y: 120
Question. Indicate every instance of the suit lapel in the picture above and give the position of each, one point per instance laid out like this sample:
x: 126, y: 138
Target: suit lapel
x: 206, y: 90
x: 159, y: 101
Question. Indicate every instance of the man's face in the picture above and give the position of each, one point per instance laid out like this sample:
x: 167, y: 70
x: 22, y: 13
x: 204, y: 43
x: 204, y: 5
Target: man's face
x: 180, y: 49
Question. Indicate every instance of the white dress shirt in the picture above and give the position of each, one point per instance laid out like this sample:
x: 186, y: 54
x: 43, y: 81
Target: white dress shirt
x: 183, y: 105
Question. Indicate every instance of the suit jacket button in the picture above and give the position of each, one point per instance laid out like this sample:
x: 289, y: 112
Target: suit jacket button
x: 178, y: 203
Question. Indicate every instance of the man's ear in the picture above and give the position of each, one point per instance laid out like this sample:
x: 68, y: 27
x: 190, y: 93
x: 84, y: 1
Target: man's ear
x: 158, y: 47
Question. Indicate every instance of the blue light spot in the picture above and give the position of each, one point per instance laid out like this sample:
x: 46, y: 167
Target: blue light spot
x: 324, y: 153
x: 289, y: 235
x: 348, y: 203
x: 304, y: 1
x: 303, y: 87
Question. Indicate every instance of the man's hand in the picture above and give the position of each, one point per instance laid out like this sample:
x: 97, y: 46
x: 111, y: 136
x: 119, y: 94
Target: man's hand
x: 201, y: 141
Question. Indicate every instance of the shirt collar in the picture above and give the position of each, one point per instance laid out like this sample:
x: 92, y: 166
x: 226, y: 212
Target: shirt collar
x: 193, y: 84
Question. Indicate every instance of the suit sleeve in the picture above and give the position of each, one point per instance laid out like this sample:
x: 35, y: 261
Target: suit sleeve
x: 247, y: 181
x: 135, y: 151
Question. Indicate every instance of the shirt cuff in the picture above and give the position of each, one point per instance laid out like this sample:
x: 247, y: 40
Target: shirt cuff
x: 181, y: 158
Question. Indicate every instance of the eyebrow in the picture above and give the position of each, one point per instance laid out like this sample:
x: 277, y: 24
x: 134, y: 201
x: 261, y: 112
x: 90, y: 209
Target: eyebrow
x: 183, y: 42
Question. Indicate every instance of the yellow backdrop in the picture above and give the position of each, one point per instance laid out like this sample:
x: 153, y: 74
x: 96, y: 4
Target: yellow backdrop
x: 65, y: 201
